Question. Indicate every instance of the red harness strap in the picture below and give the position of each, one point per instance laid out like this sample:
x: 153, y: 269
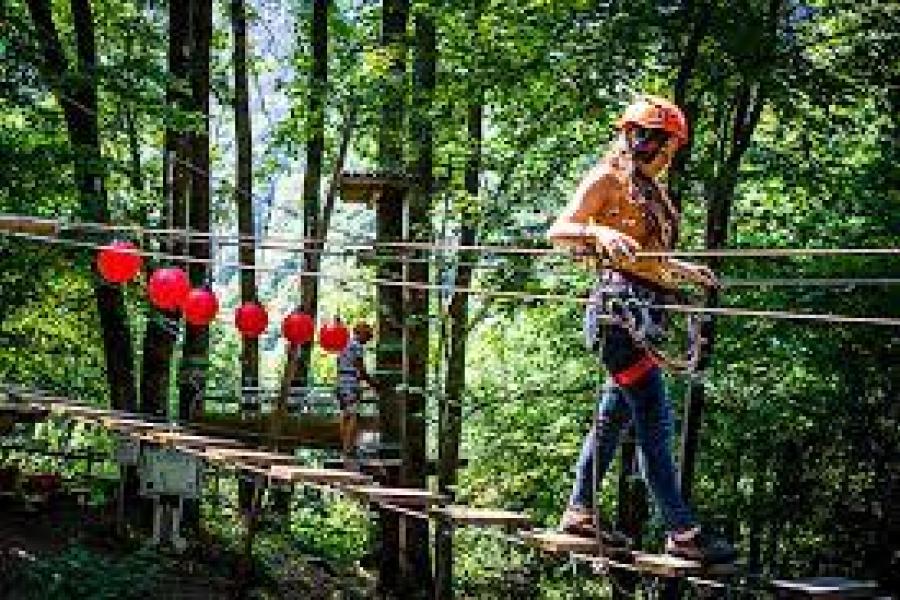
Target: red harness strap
x: 635, y: 372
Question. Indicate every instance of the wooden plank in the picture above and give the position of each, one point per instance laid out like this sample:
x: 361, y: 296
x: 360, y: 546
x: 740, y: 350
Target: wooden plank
x: 379, y: 468
x: 188, y: 440
x: 135, y: 423
x: 194, y: 451
x: 253, y: 457
x: 24, y: 412
x: 825, y: 588
x: 308, y: 430
x: 556, y: 542
x: 320, y: 476
x: 372, y: 463
x: 29, y: 225
x: 664, y: 565
x: 395, y: 495
x: 89, y: 411
x: 482, y: 517
x: 136, y: 428
x: 367, y: 188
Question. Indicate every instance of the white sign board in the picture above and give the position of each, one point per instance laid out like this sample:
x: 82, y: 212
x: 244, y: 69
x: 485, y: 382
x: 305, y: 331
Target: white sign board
x: 165, y: 471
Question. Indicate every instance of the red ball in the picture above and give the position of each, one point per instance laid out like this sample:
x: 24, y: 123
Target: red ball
x: 168, y: 288
x: 334, y: 337
x: 119, y: 262
x: 298, y: 328
x: 251, y: 319
x: 200, y: 307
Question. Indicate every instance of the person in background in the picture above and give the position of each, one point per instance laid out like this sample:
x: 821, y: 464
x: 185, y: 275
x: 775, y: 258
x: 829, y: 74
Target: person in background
x: 351, y: 372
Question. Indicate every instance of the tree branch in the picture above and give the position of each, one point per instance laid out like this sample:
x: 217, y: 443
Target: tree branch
x: 48, y: 38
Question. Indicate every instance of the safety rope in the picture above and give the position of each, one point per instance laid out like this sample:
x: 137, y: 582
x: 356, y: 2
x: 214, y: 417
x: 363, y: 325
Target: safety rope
x: 499, y: 294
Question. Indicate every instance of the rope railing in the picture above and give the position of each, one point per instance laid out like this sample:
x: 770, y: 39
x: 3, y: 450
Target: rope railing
x: 302, y: 244
x: 500, y: 294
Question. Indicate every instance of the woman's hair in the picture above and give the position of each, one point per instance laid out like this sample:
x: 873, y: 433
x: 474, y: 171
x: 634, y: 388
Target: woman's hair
x: 620, y: 157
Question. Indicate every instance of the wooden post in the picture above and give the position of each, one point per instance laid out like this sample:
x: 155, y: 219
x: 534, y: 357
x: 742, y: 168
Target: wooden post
x: 251, y: 520
x: 443, y: 558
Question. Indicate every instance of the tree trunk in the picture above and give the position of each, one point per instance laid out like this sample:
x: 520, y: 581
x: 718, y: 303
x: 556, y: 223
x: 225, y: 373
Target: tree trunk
x: 195, y: 355
x: 450, y: 408
x: 78, y: 98
x: 749, y: 101
x: 389, y: 228
x: 293, y: 354
x: 698, y: 25
x: 243, y: 194
x: 720, y: 200
x: 163, y: 326
x: 312, y: 177
x: 417, y: 300
x: 135, y: 172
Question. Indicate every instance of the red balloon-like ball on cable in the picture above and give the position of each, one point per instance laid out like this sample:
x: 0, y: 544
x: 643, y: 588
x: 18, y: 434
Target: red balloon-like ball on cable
x: 168, y: 288
x: 251, y: 319
x: 298, y: 328
x: 334, y: 336
x: 200, y: 307
x: 119, y: 262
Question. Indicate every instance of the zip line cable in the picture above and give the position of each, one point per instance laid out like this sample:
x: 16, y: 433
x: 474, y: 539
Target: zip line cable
x: 348, y: 251
x: 298, y: 244
x: 508, y: 295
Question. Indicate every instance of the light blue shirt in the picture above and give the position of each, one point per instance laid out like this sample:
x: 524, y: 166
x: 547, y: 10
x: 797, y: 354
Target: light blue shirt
x: 348, y: 377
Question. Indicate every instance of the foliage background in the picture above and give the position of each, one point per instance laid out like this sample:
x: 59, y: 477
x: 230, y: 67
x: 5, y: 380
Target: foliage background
x: 800, y: 443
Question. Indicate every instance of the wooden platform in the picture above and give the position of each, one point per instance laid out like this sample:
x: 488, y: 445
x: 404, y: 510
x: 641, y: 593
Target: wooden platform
x: 824, y: 588
x: 556, y: 542
x: 664, y: 565
x: 293, y: 474
x: 400, y: 496
x: 367, y: 188
x: 482, y: 517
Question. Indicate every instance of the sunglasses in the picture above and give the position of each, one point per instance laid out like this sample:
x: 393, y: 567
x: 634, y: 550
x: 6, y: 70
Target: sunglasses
x: 648, y: 140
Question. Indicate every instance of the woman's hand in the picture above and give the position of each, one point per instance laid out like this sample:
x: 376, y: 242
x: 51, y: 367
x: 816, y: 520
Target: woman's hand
x: 615, y: 244
x: 699, y: 274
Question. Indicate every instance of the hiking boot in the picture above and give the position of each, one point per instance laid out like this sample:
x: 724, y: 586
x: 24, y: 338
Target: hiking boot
x: 582, y: 522
x: 700, y: 547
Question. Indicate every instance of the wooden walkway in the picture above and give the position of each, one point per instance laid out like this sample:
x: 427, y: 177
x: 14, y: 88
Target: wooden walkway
x: 282, y: 468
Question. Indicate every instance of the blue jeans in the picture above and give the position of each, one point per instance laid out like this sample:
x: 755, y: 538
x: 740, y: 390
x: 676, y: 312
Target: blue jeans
x: 647, y: 405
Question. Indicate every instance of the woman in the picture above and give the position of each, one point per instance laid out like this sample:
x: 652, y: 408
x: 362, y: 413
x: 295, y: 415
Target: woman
x: 620, y: 208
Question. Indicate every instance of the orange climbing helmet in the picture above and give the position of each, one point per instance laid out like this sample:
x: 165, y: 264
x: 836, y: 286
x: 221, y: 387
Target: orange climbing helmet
x: 653, y: 112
